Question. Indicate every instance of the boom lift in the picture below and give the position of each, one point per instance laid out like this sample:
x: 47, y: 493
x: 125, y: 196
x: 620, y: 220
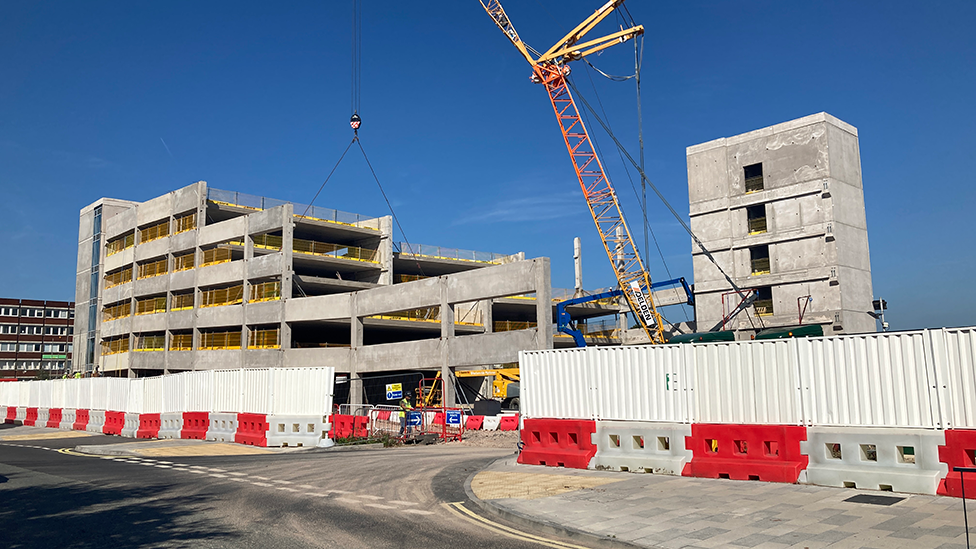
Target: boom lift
x: 551, y: 69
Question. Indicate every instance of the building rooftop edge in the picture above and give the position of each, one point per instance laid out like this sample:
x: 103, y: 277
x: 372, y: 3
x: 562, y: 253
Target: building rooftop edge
x: 770, y: 130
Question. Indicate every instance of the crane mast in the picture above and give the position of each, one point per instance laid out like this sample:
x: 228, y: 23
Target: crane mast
x: 551, y: 69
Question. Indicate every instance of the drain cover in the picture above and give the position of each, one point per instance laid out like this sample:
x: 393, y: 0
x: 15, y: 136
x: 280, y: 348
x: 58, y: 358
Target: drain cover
x: 874, y: 500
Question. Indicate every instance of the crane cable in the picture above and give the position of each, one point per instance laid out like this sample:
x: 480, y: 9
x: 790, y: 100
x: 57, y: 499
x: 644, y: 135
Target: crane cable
x: 357, y: 58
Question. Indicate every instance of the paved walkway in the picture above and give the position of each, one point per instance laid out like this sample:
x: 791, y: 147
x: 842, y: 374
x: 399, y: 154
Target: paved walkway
x: 676, y: 512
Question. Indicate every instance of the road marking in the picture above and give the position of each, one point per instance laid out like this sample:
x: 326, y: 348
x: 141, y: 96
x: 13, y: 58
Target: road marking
x: 463, y: 512
x: 218, y: 475
x: 283, y: 481
x: 398, y: 502
x: 196, y: 471
x: 364, y: 496
x: 285, y: 488
x: 349, y: 500
x: 47, y: 435
x: 237, y: 479
x: 316, y: 495
x: 217, y: 470
x: 261, y: 484
x: 260, y: 478
x: 418, y: 512
x: 165, y: 462
x: 164, y: 466
x: 238, y: 474
x: 379, y: 506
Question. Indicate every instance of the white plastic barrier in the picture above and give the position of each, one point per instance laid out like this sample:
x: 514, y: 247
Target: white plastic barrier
x: 152, y: 395
x: 42, y: 417
x: 227, y: 390
x: 170, y: 424
x: 21, y: 414
x: 491, y: 423
x: 223, y: 427
x: 135, y: 396
x: 130, y: 425
x: 255, y: 392
x: 302, y: 391
x: 297, y: 431
x: 57, y: 393
x: 99, y: 393
x: 641, y: 447
x: 68, y: 416
x: 900, y: 460
x: 96, y: 421
x: 117, y: 393
x: 172, y: 398
x: 23, y: 397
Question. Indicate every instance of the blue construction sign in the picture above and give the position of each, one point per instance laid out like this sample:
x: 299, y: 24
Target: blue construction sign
x: 394, y: 391
x: 413, y: 419
x: 453, y: 417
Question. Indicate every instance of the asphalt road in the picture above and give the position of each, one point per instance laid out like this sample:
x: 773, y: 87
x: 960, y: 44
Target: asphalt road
x: 358, y: 498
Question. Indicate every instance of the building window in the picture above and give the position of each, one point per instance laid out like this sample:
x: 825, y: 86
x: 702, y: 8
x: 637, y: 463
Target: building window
x: 182, y: 302
x: 154, y: 232
x: 268, y: 291
x: 214, y: 256
x: 8, y: 329
x: 184, y: 262
x: 759, y: 259
x: 264, y: 338
x: 29, y: 348
x: 113, y: 312
x: 151, y: 305
x: 118, y: 277
x: 115, y: 345
x: 754, y: 177
x: 51, y: 348
x: 764, y: 301
x: 216, y: 340
x: 31, y: 330
x: 8, y: 347
x: 181, y: 342
x: 120, y: 243
x: 150, y: 342
x: 185, y: 223
x: 222, y: 296
x: 153, y: 268
x: 756, y: 216
x: 9, y: 311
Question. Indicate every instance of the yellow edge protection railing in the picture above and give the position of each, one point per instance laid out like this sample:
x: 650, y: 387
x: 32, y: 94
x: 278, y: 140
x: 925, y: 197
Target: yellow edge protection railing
x: 300, y: 216
x: 338, y: 251
x: 234, y: 205
x: 509, y: 325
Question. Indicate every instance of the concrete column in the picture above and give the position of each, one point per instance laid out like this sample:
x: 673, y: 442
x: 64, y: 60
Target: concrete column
x: 287, y: 273
x: 447, y: 338
x: 543, y: 303
x: 355, y: 342
x: 486, y: 316
x: 385, y: 251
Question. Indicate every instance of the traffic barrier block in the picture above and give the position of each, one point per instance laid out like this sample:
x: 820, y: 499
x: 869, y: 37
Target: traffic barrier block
x: 11, y: 414
x: 384, y: 415
x: 42, y: 415
x: 899, y: 460
x: 96, y: 421
x: 558, y: 442
x: 21, y: 415
x: 746, y: 452
x: 114, y: 423
x: 959, y: 451
x: 342, y: 425
x: 170, y: 425
x: 490, y: 423
x: 130, y: 425
x: 81, y: 420
x: 473, y: 423
x: 361, y: 426
x: 195, y: 425
x: 31, y: 418
x: 223, y: 427
x: 641, y: 446
x: 252, y: 429
x: 68, y: 418
x: 508, y: 423
x: 438, y: 418
x: 299, y: 431
x: 54, y: 418
x: 149, y: 425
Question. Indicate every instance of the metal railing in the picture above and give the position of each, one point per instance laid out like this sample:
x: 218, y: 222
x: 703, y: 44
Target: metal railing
x: 182, y: 302
x: 120, y: 243
x: 151, y: 343
x: 151, y: 305
x: 754, y: 184
x: 267, y: 291
x: 264, y: 339
x: 213, y: 341
x: 338, y: 251
x: 118, y: 278
x: 267, y: 241
x: 185, y: 223
x: 153, y: 268
x: 115, y: 346
x: 115, y: 312
x: 757, y: 225
x: 760, y: 265
x: 511, y: 325
x: 222, y: 296
x: 215, y: 256
x: 181, y: 342
x: 764, y: 307
x: 301, y: 211
x: 154, y: 232
x: 453, y: 254
x: 184, y: 262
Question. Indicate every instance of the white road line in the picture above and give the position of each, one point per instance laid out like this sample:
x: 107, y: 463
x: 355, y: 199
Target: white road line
x: 147, y: 464
x: 261, y: 484
x: 398, y: 502
x: 316, y: 495
x: 196, y: 471
x: 364, y: 496
x: 237, y: 479
x: 238, y: 474
x: 163, y: 466
x: 285, y: 488
x: 165, y: 462
x: 379, y: 506
x: 283, y: 481
x: 260, y: 478
x: 418, y: 512
x: 218, y: 475
x: 348, y: 500
x: 307, y: 486
x: 218, y: 470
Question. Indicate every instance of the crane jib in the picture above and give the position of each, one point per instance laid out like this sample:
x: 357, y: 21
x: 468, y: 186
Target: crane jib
x: 642, y: 306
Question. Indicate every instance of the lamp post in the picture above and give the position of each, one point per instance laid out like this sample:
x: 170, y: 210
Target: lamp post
x: 879, y: 308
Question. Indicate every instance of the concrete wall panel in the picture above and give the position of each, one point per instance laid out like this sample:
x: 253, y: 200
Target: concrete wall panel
x: 263, y: 358
x: 409, y: 355
x: 268, y: 220
x: 189, y: 197
x: 182, y: 280
x: 338, y: 358
x: 707, y: 173
x: 155, y: 210
x: 180, y: 360
x: 155, y: 285
x: 265, y: 312
x: 264, y: 266
x: 116, y: 260
x: 152, y: 250
x: 232, y: 229
x: 149, y: 323
x: 214, y: 360
x: 181, y: 320
x: 120, y: 223
x: 220, y: 274
x: 845, y: 155
x: 226, y: 316
x: 493, y: 348
x: 147, y: 360
x: 325, y: 307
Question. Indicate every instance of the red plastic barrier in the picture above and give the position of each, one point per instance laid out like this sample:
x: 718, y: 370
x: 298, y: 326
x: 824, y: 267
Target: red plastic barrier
x: 114, y: 423
x: 959, y: 451
x: 360, y: 426
x: 252, y: 429
x: 11, y: 414
x: 195, y: 425
x: 473, y: 423
x: 345, y: 426
x: 383, y: 415
x: 509, y: 423
x: 746, y: 452
x: 31, y: 417
x: 81, y: 420
x: 54, y: 418
x: 148, y: 426
x: 438, y: 418
x: 558, y: 442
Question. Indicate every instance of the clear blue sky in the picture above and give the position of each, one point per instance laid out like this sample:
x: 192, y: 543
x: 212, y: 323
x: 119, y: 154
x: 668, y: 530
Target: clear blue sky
x: 255, y: 97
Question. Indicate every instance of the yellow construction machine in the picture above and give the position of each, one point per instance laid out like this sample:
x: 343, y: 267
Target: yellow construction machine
x: 504, y: 385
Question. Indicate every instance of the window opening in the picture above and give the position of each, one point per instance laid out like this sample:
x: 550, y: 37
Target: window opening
x: 754, y: 177
x: 759, y: 259
x: 756, y: 216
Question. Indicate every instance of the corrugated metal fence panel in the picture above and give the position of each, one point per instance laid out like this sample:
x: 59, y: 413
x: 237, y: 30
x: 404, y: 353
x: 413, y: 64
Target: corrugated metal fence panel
x: 227, y: 391
x: 10, y: 393
x: 99, y: 393
x: 957, y: 376
x: 33, y: 393
x: 71, y: 393
x: 555, y: 384
x: 84, y: 394
x: 57, y: 393
x: 256, y: 391
x: 747, y: 382
x: 640, y: 383
x: 24, y: 397
x: 869, y: 380
x: 118, y: 393
x: 302, y: 391
x: 152, y: 395
x: 135, y: 400
x: 43, y: 389
x: 198, y: 390
x: 173, y: 393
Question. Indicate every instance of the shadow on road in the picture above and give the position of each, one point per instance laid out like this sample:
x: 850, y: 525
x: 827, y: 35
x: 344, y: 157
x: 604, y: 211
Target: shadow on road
x: 80, y: 516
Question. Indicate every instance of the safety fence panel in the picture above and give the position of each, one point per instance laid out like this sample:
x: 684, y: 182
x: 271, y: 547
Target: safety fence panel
x: 256, y: 391
x: 557, y: 382
x: 57, y: 393
x: 71, y: 388
x: 10, y: 394
x: 641, y: 383
x: 136, y: 397
x: 118, y: 393
x: 876, y: 380
x: 24, y: 396
x: 99, y: 394
x: 954, y: 351
x: 747, y: 382
x: 84, y: 394
x: 302, y: 391
x: 198, y: 391
x: 227, y: 391
x: 33, y: 394
x: 152, y: 395
x: 173, y: 393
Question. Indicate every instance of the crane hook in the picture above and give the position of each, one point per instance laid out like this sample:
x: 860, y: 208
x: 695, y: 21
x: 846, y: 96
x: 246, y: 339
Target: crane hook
x: 355, y: 121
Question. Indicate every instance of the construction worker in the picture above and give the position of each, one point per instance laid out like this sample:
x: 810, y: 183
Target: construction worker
x: 405, y: 407
x: 77, y: 375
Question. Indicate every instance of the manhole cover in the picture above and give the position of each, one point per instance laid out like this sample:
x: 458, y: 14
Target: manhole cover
x: 874, y: 500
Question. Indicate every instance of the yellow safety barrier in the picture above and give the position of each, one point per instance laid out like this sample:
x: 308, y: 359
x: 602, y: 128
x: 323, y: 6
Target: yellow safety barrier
x: 411, y: 278
x: 185, y: 223
x: 511, y: 325
x: 264, y: 339
x: 181, y: 342
x: 154, y: 232
x: 153, y: 268
x: 223, y: 296
x: 339, y: 251
x: 300, y: 216
x: 211, y: 341
x: 184, y: 262
x: 151, y: 305
x: 119, y: 277
x: 764, y: 307
x: 757, y: 225
x: 760, y: 266
x: 429, y: 314
x: 214, y: 256
x: 220, y: 203
x: 268, y: 291
x: 115, y: 312
x: 151, y: 343
x: 182, y: 302
x: 115, y: 345
x: 267, y: 241
x: 120, y: 243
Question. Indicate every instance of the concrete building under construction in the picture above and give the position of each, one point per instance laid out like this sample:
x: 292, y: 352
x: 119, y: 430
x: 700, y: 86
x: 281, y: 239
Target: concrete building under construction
x: 202, y: 278
x: 782, y: 211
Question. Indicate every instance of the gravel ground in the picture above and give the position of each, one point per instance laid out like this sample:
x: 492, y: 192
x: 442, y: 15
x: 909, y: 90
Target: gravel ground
x: 490, y: 439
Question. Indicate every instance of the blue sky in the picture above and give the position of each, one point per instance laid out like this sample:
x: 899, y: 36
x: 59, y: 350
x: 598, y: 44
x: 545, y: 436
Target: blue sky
x: 255, y: 97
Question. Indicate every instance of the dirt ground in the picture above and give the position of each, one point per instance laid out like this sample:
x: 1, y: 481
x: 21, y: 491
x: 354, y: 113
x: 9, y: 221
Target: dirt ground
x: 490, y: 439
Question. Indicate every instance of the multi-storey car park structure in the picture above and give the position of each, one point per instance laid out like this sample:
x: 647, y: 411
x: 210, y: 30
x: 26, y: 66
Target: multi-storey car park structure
x: 201, y: 278
x: 782, y: 211
x: 35, y: 338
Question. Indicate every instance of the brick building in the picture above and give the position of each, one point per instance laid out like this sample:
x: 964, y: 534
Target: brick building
x: 35, y: 338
